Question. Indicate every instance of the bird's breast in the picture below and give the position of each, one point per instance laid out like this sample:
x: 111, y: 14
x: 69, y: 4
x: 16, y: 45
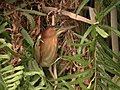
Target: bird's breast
x: 48, y: 51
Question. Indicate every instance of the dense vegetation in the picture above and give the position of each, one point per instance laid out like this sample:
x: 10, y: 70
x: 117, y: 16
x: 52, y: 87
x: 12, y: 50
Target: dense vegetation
x: 88, y: 55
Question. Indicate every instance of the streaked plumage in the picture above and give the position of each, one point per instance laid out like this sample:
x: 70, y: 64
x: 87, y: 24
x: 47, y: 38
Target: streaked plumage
x: 46, y: 47
x: 46, y: 51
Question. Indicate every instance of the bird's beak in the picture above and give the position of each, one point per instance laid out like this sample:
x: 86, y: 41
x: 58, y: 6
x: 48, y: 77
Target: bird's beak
x: 60, y: 30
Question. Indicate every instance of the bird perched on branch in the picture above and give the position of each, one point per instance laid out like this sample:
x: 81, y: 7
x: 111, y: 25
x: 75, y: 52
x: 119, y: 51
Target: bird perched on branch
x: 47, y: 45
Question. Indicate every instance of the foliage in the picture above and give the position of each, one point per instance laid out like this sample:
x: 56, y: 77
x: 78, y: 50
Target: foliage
x: 93, y: 67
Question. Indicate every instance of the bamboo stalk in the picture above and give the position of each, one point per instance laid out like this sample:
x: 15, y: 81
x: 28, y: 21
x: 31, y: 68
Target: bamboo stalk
x: 114, y: 37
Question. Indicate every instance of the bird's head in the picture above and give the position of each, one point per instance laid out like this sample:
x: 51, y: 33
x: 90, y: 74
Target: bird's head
x: 52, y: 31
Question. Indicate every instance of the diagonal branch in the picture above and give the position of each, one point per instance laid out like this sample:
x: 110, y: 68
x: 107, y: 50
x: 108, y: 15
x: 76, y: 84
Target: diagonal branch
x: 71, y: 15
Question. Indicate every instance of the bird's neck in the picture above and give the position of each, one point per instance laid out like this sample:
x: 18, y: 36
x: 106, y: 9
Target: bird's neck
x: 48, y: 33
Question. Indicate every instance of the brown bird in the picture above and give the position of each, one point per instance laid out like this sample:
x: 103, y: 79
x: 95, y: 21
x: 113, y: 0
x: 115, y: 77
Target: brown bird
x: 46, y: 49
x: 46, y: 46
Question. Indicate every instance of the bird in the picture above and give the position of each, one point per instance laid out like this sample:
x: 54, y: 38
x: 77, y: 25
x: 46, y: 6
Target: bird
x: 46, y: 46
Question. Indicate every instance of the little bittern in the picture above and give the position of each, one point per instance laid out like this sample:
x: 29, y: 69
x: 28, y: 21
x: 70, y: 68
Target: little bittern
x: 46, y: 49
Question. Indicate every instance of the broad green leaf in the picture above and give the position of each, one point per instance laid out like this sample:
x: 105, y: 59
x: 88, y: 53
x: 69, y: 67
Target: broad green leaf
x: 27, y: 37
x: 101, y: 32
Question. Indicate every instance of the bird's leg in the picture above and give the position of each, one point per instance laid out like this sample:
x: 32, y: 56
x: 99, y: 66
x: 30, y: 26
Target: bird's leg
x: 54, y: 73
x: 50, y: 70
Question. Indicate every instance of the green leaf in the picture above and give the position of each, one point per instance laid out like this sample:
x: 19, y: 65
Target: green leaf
x: 19, y: 73
x: 111, y: 84
x: 80, y: 37
x: 9, y: 67
x: 32, y: 12
x: 12, y: 80
x: 116, y: 79
x: 74, y: 75
x: 88, y: 43
x: 117, y: 32
x: 106, y: 48
x: 77, y: 59
x: 68, y: 85
x: 4, y: 56
x: 2, y: 83
x: 101, y: 32
x: 36, y: 75
x: 27, y: 37
x: 73, y: 1
x: 101, y: 84
x: 16, y: 83
x: 84, y: 2
x: 2, y: 27
x: 93, y: 33
x: 84, y: 37
x: 6, y: 44
x: 11, y: 1
x: 30, y: 18
x: 113, y: 4
x: 80, y: 80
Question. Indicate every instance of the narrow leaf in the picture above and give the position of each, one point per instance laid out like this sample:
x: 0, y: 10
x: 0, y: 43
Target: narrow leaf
x: 113, y: 4
x: 30, y: 18
x: 101, y: 32
x: 68, y: 85
x: 2, y: 27
x: 33, y: 12
x: 117, y: 32
x: 81, y: 6
x: 74, y: 75
x: 27, y: 37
